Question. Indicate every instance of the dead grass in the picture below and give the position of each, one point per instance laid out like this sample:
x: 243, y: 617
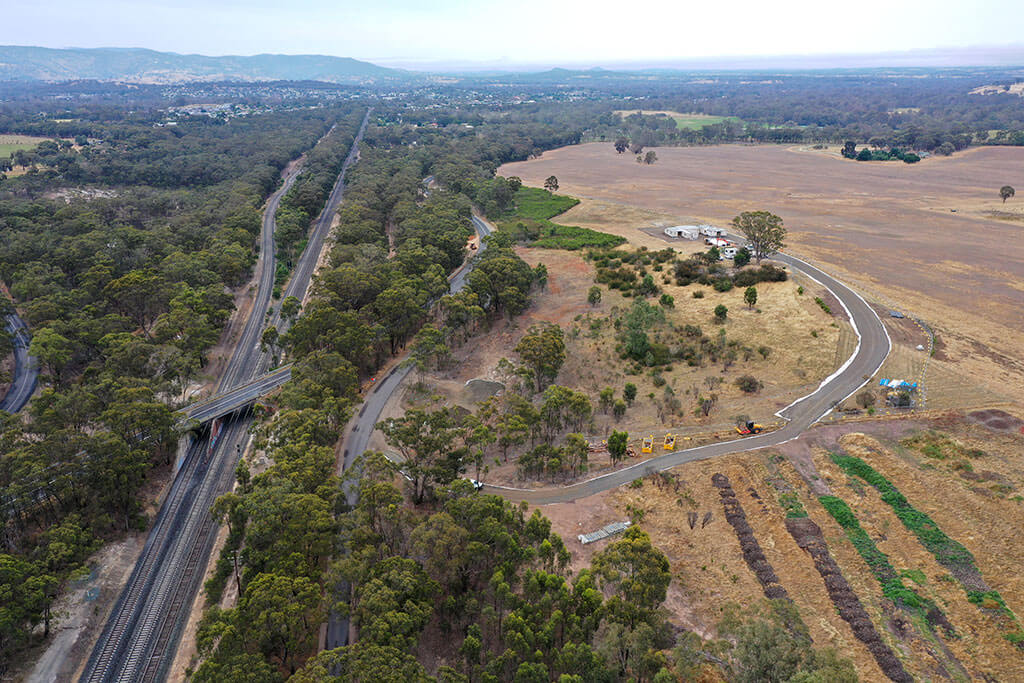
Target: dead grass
x: 913, y: 234
x: 708, y: 565
x: 783, y: 321
x: 987, y: 524
x: 709, y: 570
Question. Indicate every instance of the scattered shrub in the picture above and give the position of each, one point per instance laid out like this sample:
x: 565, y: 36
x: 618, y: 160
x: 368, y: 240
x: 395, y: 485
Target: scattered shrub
x: 722, y: 284
x: 749, y: 384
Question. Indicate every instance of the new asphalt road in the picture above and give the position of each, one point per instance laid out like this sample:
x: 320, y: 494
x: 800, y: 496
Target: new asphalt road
x: 872, y: 349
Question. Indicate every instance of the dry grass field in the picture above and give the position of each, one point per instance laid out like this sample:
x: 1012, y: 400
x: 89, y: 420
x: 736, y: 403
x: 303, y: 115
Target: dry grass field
x: 804, y: 345
x: 931, y: 238
x: 978, y: 507
x: 690, y: 121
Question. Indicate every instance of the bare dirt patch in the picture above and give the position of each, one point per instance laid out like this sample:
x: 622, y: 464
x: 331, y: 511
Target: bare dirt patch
x: 81, y: 612
x: 802, y: 343
x: 917, y: 234
x: 997, y: 420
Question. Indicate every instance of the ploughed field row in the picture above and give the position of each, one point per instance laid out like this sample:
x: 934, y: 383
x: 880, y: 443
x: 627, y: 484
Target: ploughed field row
x: 900, y: 550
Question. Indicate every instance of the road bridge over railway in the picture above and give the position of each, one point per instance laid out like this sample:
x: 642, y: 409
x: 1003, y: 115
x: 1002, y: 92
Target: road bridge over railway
x: 234, y: 400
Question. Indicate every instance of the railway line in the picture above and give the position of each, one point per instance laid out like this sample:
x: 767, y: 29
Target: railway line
x: 141, y: 635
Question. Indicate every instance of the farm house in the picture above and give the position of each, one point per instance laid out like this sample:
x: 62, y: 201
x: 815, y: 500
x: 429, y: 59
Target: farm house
x: 689, y: 232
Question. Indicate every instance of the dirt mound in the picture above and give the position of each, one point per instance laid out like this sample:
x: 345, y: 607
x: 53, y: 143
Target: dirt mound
x: 752, y: 553
x: 808, y: 536
x: 997, y: 420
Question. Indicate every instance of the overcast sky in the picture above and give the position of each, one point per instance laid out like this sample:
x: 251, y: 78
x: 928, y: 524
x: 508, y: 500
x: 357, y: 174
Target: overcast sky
x: 572, y: 32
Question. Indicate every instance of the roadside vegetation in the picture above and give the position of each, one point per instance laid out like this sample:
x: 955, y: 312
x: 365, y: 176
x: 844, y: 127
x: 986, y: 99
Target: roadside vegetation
x: 119, y: 254
x: 528, y: 221
x: 384, y: 288
x: 130, y: 229
x: 301, y: 205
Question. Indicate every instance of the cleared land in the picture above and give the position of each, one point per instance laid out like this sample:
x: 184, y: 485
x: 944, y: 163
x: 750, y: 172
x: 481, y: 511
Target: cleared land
x: 9, y: 144
x: 804, y: 345
x: 684, y: 121
x: 921, y: 237
x: 977, y: 504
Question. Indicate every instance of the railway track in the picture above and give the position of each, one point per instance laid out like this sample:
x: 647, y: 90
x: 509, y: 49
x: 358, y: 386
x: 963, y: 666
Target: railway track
x: 141, y: 635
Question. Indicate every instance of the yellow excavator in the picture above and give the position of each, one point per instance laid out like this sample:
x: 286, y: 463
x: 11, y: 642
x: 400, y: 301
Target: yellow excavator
x: 670, y: 442
x: 648, y: 444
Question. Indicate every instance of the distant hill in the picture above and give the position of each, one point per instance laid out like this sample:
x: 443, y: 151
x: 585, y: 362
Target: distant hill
x: 139, y: 65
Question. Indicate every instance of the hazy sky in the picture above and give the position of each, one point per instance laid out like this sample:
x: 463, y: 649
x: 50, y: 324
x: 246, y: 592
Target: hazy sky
x: 518, y: 31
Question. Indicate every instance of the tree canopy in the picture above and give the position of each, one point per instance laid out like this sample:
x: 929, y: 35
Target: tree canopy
x: 764, y: 231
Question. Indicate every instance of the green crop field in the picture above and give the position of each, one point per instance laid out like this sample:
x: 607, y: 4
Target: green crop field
x: 528, y: 221
x: 698, y: 121
x: 9, y: 144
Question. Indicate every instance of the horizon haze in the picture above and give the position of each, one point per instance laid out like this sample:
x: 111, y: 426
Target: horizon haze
x: 451, y: 35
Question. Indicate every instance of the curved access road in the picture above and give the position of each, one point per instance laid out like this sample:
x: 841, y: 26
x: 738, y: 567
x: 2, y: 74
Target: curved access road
x: 364, y: 424
x: 26, y: 369
x: 872, y: 349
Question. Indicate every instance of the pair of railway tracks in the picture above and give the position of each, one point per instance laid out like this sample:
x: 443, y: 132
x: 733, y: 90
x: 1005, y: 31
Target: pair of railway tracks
x: 146, y: 621
x: 141, y: 636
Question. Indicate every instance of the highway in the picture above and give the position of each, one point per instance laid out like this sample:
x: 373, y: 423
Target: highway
x: 26, y: 369
x: 141, y: 634
x: 358, y: 438
x: 872, y: 349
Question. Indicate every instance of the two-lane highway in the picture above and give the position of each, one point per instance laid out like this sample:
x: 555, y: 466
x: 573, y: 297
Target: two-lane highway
x: 26, y: 368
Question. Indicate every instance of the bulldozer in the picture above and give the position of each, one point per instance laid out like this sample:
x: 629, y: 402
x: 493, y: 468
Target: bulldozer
x: 648, y: 445
x: 749, y: 428
x: 670, y: 442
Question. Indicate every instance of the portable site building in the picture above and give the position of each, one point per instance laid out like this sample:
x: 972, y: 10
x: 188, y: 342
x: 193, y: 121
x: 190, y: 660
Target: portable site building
x: 711, y: 231
x: 689, y: 232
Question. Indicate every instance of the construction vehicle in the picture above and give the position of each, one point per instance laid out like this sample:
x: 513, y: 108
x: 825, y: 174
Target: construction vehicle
x: 670, y: 442
x: 750, y: 428
x: 648, y: 444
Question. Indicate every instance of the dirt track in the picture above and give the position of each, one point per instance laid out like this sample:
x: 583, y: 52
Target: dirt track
x: 885, y: 226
